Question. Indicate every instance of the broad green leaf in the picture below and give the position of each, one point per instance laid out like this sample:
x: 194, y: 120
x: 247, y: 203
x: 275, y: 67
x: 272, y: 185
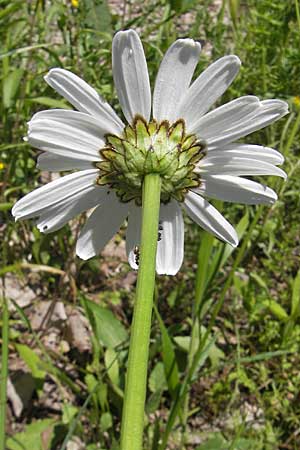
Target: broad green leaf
x: 157, y: 379
x: 108, y: 329
x: 97, y: 15
x: 31, y: 438
x: 34, y: 363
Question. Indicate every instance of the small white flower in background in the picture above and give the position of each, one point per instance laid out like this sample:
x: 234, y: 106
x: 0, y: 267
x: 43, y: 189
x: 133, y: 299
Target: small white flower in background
x: 194, y: 151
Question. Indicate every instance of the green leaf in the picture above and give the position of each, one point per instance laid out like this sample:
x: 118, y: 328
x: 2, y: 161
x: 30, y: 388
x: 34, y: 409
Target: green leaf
x: 106, y: 421
x: 264, y: 356
x: 204, y: 255
x: 48, y: 101
x: 112, y: 365
x: 277, y: 310
x: 201, y: 357
x: 216, y: 442
x: 96, y: 15
x: 261, y: 283
x: 157, y: 379
x: 234, y: 10
x: 97, y: 388
x: 31, y: 438
x: 29, y: 48
x: 214, y: 353
x: 11, y: 86
x: 10, y: 9
x: 171, y: 298
x: 153, y: 402
x: 69, y: 411
x: 108, y: 329
x: 169, y: 358
x: 34, y: 363
x: 295, y: 310
x: 5, y: 206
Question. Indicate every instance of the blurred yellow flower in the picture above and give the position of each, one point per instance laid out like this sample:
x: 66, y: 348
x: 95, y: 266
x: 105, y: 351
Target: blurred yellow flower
x: 296, y: 101
x: 2, y: 165
x: 75, y: 3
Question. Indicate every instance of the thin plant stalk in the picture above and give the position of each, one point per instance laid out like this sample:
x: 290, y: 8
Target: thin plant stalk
x: 136, y: 380
x: 4, y: 371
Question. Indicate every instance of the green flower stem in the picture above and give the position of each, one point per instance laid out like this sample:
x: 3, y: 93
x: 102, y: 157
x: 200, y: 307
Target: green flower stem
x: 4, y: 372
x: 136, y: 381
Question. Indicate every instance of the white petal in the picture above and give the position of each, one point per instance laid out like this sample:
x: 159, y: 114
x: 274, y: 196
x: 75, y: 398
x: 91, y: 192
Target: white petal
x: 209, y: 218
x: 100, y: 227
x: 268, y: 112
x: 174, y: 77
x: 170, y: 247
x: 75, y: 119
x: 54, y: 193
x: 275, y: 103
x: 84, y: 98
x: 133, y: 235
x: 235, y: 189
x: 207, y: 88
x: 249, y: 151
x: 241, y: 165
x: 57, y: 163
x: 55, y: 217
x: 64, y: 140
x: 225, y: 116
x: 170, y: 244
x: 131, y: 75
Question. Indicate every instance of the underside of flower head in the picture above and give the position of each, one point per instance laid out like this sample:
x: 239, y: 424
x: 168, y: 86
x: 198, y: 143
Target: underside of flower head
x: 146, y: 148
x: 196, y: 151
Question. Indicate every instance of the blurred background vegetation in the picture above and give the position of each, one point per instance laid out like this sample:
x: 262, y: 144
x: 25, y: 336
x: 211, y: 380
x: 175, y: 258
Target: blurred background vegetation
x: 224, y: 368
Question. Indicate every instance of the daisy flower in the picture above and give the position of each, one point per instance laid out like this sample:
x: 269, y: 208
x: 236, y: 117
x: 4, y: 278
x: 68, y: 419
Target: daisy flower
x: 193, y: 148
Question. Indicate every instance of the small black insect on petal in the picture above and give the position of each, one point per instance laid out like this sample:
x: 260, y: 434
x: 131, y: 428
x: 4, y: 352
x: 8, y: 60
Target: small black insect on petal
x: 136, y: 252
x: 160, y: 230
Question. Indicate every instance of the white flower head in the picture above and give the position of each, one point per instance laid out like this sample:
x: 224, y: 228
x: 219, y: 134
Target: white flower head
x: 192, y: 148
